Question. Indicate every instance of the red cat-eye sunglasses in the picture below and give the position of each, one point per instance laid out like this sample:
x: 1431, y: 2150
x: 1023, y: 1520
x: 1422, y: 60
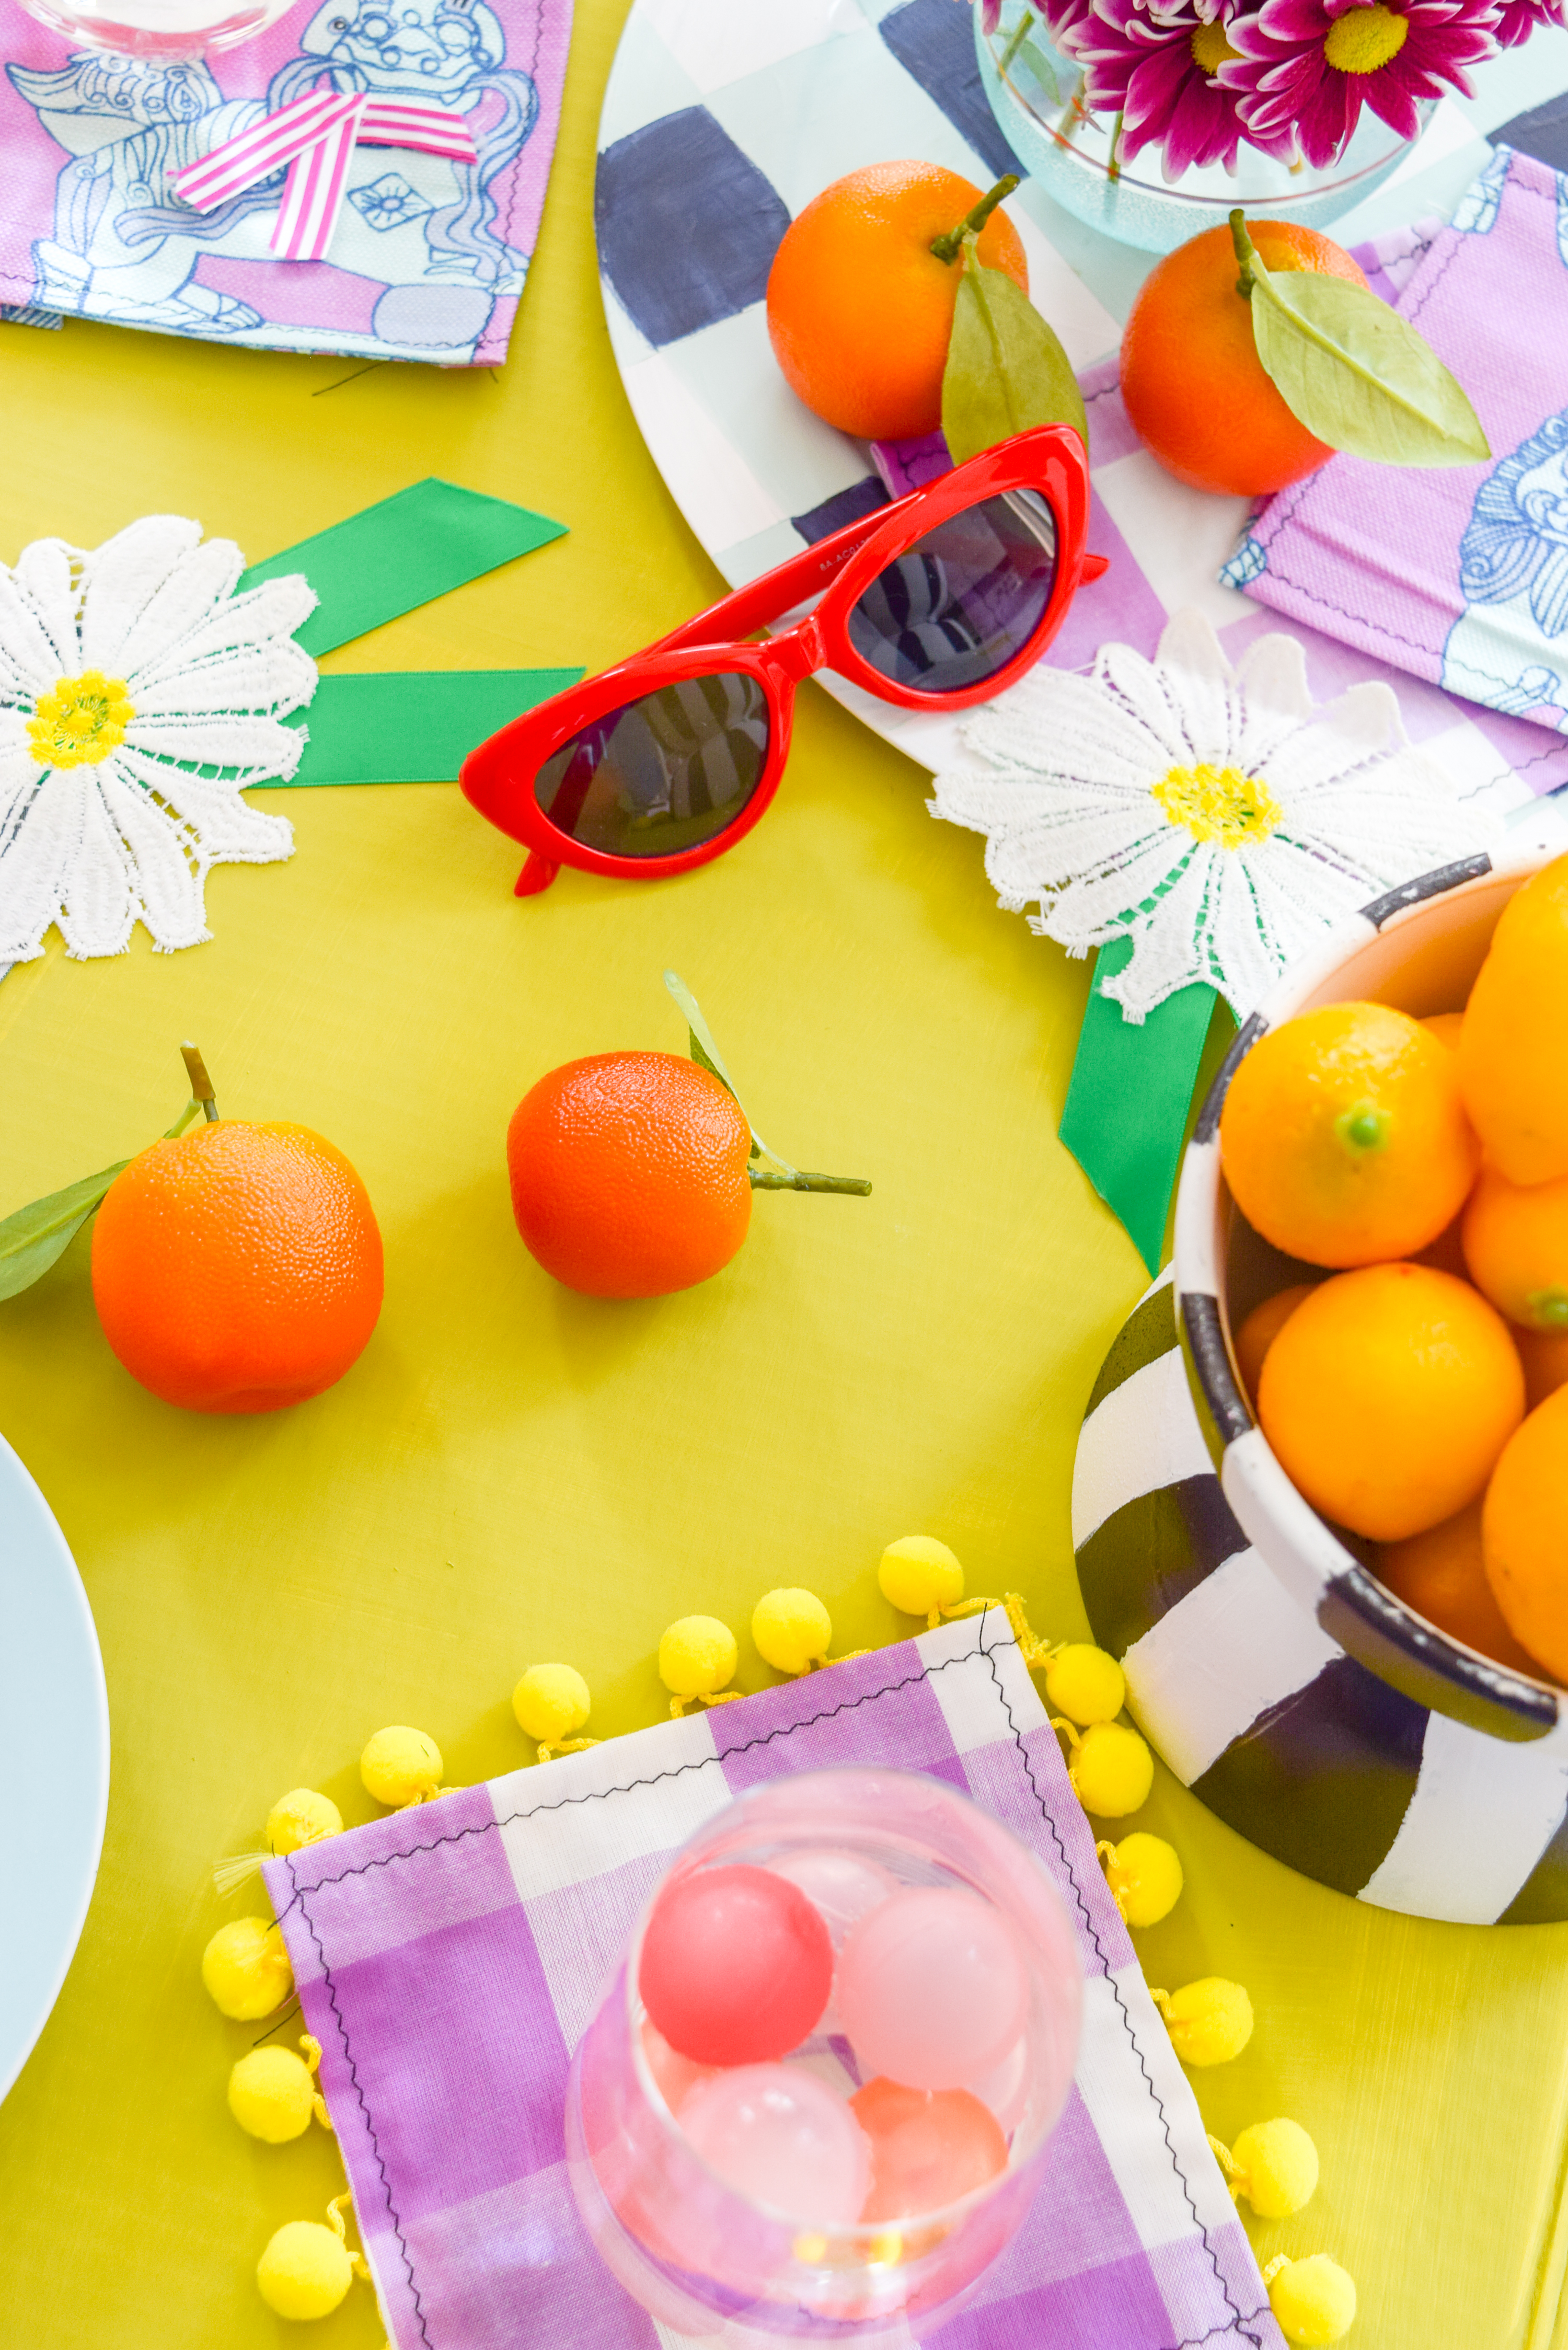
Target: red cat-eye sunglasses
x: 936, y: 602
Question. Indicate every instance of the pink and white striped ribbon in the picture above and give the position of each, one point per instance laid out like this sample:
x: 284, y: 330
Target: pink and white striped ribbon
x: 316, y: 136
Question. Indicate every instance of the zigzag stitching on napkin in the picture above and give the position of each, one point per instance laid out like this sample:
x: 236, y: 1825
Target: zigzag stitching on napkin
x: 369, y: 2125
x: 1238, y: 2322
x: 850, y: 1705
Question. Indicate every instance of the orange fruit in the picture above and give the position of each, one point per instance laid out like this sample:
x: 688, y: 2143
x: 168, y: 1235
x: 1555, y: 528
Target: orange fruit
x: 1262, y: 1328
x: 1511, y: 1047
x: 1544, y: 1354
x: 1439, y: 1574
x: 859, y: 307
x: 1445, y: 1027
x: 1389, y: 1396
x: 1191, y: 379
x: 1343, y: 1138
x: 629, y: 1174
x: 1524, y: 1533
x: 238, y: 1267
x: 1516, y: 1246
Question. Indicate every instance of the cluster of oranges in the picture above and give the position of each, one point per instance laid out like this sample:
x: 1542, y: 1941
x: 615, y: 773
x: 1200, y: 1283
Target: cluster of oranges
x: 1418, y: 1398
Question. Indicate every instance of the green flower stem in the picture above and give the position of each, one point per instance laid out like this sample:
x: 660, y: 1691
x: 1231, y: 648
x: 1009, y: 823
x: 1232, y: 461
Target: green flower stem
x: 1246, y: 252
x: 1113, y: 170
x: 1019, y: 36
x: 762, y: 1179
x: 947, y: 248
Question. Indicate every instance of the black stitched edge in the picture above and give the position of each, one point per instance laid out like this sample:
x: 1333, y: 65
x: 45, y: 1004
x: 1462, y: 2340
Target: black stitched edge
x: 1239, y: 2322
x: 1425, y: 885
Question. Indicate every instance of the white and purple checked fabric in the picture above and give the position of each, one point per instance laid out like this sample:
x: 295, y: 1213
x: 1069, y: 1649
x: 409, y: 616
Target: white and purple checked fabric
x: 450, y: 1958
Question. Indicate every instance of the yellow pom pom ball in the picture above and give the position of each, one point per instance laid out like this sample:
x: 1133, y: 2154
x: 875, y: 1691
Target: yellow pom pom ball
x: 305, y: 2270
x: 697, y: 1657
x: 271, y: 2094
x: 245, y: 1968
x: 301, y: 1817
x: 1144, y: 1874
x: 551, y: 1702
x: 792, y: 1630
x: 1314, y: 2300
x: 401, y: 1766
x: 918, y: 1575
x: 1112, y: 1771
x: 1277, y: 2163
x: 1210, y: 2020
x: 1085, y: 1684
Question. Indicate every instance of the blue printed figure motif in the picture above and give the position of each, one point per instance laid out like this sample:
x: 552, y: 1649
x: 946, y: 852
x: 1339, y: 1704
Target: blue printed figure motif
x: 125, y: 248
x: 1248, y: 561
x: 1477, y: 211
x: 1509, y: 647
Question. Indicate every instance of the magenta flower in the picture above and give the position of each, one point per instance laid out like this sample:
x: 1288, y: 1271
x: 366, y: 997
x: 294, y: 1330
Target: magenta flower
x: 1517, y: 19
x: 1157, y: 73
x: 1307, y: 67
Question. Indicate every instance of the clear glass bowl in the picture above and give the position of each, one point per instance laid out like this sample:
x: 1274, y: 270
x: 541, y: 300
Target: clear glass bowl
x: 705, y: 2259
x: 1036, y: 99
x: 166, y: 32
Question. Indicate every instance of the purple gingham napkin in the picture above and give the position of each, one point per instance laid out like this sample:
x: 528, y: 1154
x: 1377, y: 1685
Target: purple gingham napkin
x: 450, y: 1958
x: 1458, y: 575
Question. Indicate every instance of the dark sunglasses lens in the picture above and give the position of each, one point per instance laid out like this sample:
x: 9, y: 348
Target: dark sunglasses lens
x: 662, y: 774
x: 964, y: 599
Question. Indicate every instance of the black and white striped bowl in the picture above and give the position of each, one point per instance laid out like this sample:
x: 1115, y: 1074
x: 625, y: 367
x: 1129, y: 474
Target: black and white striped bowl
x: 1306, y: 1705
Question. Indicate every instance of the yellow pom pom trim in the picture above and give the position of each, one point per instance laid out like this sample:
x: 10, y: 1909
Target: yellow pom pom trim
x: 697, y: 1657
x: 1313, y: 2300
x: 921, y: 1576
x: 296, y: 1819
x: 1085, y: 1683
x: 1112, y: 1769
x: 401, y: 1767
x: 1144, y: 1874
x: 550, y: 1702
x: 1209, y: 2022
x: 247, y: 1969
x: 307, y: 2269
x: 1274, y: 2165
x: 273, y: 2092
x: 792, y: 1631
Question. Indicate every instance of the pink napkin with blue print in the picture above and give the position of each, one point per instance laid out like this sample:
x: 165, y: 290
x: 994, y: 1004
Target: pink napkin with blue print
x: 450, y: 1958
x: 1459, y: 576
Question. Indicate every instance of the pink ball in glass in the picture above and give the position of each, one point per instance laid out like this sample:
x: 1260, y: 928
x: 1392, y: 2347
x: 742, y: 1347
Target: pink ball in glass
x: 840, y: 1884
x: 736, y: 1965
x: 674, y: 2076
x: 931, y: 1988
x: 928, y: 2147
x: 778, y: 2133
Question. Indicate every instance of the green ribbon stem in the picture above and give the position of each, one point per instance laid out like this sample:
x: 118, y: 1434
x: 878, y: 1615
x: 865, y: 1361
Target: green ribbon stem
x: 1125, y: 1119
x: 409, y: 726
x: 404, y: 552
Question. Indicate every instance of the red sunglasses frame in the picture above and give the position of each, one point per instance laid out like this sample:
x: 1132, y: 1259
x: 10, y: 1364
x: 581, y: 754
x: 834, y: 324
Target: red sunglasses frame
x: 499, y: 777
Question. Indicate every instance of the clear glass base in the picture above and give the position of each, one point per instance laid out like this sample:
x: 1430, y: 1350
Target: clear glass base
x: 163, y: 32
x: 1036, y: 98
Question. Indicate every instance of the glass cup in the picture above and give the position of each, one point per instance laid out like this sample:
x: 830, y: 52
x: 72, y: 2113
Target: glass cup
x: 163, y: 32
x: 706, y: 2258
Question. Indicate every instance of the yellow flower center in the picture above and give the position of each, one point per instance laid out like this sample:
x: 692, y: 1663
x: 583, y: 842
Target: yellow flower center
x: 1218, y: 804
x: 80, y: 721
x: 1363, y: 40
x: 1209, y: 48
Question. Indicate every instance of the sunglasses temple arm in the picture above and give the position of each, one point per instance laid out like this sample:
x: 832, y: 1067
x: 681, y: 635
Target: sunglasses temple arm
x: 536, y: 875
x: 803, y: 576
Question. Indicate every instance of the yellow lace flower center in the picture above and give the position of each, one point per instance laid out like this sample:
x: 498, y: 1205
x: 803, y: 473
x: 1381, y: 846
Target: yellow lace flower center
x: 80, y: 721
x: 1209, y: 48
x: 1363, y: 40
x: 1218, y: 804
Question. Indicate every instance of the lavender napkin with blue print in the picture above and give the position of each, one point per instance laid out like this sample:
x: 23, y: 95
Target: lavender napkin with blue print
x: 1459, y: 576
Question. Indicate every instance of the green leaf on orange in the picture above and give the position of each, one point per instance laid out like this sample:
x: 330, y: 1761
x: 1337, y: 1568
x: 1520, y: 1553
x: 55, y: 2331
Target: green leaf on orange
x: 1356, y: 375
x: 1006, y: 370
x: 706, y: 1054
x: 38, y: 1236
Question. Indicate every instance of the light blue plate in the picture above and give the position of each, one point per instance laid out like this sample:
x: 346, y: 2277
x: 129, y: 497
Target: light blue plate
x: 54, y: 1761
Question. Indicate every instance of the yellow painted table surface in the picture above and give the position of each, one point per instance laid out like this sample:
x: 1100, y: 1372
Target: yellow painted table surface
x: 514, y: 1473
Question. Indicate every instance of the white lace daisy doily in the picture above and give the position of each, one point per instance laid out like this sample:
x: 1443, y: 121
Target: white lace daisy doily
x: 1210, y: 814
x: 138, y: 696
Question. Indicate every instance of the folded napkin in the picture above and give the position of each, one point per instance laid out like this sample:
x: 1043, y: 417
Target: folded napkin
x: 450, y: 1958
x: 1459, y: 575
x: 430, y: 250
